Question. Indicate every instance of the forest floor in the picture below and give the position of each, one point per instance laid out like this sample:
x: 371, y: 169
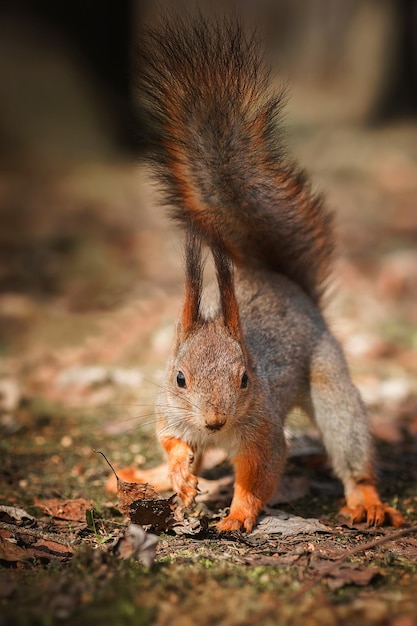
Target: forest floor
x: 84, y: 339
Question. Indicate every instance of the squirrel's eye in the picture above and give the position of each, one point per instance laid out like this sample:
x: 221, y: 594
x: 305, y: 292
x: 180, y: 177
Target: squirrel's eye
x: 181, y: 380
x: 245, y: 381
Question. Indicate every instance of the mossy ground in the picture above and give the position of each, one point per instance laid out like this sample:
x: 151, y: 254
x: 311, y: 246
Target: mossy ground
x: 210, y: 580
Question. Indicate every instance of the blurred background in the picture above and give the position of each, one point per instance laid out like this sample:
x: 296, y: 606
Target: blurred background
x: 70, y: 128
x: 90, y: 269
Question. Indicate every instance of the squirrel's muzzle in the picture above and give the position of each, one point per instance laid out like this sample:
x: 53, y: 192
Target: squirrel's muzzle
x: 215, y: 425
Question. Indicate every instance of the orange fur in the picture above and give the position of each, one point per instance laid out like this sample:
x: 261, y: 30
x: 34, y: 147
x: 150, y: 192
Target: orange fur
x: 253, y: 487
x: 364, y: 504
x: 181, y: 459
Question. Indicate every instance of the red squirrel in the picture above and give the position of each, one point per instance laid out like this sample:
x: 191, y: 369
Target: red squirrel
x: 257, y: 346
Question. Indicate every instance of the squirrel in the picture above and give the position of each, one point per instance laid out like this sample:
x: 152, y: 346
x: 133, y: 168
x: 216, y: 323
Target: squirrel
x: 257, y: 346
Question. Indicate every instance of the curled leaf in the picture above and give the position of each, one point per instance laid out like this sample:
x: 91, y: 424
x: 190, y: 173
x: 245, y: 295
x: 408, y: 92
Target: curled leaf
x: 15, y: 515
x: 136, y: 544
x: 190, y: 526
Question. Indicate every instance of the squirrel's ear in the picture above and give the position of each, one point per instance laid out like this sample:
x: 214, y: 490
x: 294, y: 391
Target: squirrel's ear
x: 228, y: 301
x: 193, y: 283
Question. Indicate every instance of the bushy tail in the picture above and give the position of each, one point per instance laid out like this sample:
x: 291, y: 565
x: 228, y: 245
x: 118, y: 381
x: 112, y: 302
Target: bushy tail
x: 216, y: 148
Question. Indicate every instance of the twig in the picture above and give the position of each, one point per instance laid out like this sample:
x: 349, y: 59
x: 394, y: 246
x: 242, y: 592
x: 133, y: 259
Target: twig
x: 350, y: 553
x: 39, y: 534
x: 108, y: 463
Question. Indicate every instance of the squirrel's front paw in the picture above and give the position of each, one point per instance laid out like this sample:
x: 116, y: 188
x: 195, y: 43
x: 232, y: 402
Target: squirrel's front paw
x: 184, y: 484
x: 244, y: 511
x: 233, y: 522
x: 181, y: 460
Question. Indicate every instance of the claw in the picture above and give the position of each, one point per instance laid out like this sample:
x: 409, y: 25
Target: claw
x: 231, y: 523
x: 228, y: 525
x: 355, y: 515
x: 363, y: 504
x: 185, y: 485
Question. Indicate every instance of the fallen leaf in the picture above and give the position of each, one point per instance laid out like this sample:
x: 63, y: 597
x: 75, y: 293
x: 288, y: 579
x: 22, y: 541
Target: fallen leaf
x: 12, y: 553
x: 15, y: 515
x: 156, y: 513
x: 128, y: 493
x: 69, y: 510
x: 190, y: 526
x: 129, y: 490
x: 136, y: 544
x: 47, y: 549
x: 288, y: 525
x: 351, y: 574
x: 20, y: 547
x: 142, y: 503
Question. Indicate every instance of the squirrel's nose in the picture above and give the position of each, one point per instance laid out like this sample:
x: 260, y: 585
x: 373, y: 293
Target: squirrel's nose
x: 217, y: 425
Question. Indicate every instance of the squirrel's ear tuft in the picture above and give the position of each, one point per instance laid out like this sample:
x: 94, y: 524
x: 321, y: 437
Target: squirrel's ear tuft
x: 193, y: 282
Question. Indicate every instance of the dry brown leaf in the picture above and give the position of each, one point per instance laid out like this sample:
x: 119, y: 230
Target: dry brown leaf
x: 47, y: 549
x: 156, y: 513
x: 12, y: 553
x: 128, y: 493
x: 351, y: 574
x: 70, y: 510
x: 142, y: 503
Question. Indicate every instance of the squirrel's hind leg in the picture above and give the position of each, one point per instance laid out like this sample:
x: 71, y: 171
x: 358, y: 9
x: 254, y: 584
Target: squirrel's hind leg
x: 342, y: 419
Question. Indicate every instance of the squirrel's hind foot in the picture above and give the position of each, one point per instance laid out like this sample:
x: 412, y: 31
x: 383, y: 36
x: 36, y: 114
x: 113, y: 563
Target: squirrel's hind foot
x: 364, y: 505
x: 373, y: 516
